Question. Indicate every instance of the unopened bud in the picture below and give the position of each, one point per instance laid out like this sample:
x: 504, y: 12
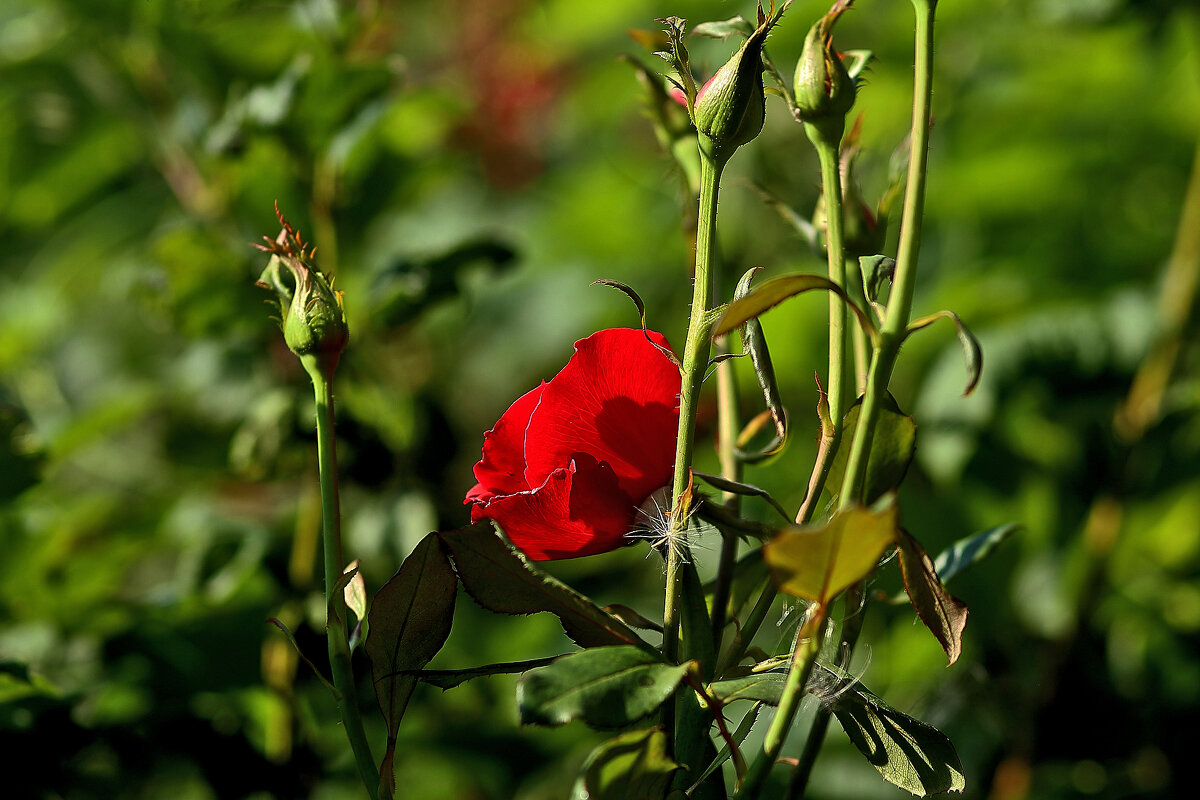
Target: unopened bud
x: 823, y: 87
x: 731, y: 108
x: 311, y: 314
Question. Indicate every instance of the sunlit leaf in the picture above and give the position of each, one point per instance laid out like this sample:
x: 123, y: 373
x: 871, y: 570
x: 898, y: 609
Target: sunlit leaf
x: 773, y: 292
x: 633, y: 765
x: 605, y: 687
x: 817, y: 562
x: 355, y: 594
x: 892, y: 449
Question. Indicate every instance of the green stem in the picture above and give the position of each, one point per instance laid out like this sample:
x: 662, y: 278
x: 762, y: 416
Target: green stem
x: 899, y: 307
x: 827, y: 140
x: 336, y: 624
x: 731, y: 469
x: 695, y: 362
x: 895, y: 324
x: 804, y: 656
x: 684, y: 743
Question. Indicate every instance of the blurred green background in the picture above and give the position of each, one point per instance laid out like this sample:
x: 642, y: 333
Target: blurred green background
x: 466, y: 169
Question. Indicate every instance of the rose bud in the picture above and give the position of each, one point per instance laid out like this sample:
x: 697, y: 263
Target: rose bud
x: 823, y: 87
x: 731, y: 107
x: 311, y: 314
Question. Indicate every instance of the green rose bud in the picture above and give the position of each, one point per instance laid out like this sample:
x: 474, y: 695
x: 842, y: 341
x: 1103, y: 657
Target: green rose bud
x: 730, y: 109
x: 823, y: 87
x: 311, y: 313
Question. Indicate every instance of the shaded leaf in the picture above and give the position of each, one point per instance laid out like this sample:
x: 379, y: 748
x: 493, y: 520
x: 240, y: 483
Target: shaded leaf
x: 449, y: 678
x: 763, y: 687
x: 18, y: 682
x: 876, y: 270
x: 972, y: 352
x: 410, y: 619
x: 296, y: 646
x: 817, y: 562
x: 632, y: 618
x: 754, y: 342
x: 965, y: 552
x: 605, y: 687
x: 409, y: 286
x: 800, y: 224
x: 500, y: 578
x: 739, y: 736
x: 697, y: 625
x: 746, y: 489
x: 632, y: 765
x: 641, y: 307
x: 773, y: 292
x: 892, y: 449
x: 942, y: 613
x: 679, y: 59
x: 906, y: 752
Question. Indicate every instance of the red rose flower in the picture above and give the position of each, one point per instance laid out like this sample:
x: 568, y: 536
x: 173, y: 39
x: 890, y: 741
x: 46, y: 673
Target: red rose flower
x: 567, y: 466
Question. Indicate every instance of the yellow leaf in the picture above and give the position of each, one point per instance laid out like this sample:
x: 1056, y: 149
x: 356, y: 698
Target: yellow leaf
x: 817, y: 562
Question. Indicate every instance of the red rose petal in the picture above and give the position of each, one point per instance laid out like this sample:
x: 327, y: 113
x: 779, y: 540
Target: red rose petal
x: 577, y: 511
x: 501, y: 470
x: 615, y: 400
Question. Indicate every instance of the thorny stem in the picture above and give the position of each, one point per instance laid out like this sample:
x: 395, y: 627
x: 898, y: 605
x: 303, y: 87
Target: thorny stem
x: 695, y: 362
x: 892, y: 333
x: 336, y: 624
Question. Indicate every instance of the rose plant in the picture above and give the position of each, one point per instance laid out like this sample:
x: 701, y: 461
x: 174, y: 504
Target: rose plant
x: 603, y: 451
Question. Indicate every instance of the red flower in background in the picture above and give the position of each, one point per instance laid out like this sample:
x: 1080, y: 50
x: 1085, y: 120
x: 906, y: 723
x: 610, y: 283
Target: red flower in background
x: 567, y: 466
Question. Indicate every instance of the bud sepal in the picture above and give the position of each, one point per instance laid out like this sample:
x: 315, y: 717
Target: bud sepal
x: 312, y: 316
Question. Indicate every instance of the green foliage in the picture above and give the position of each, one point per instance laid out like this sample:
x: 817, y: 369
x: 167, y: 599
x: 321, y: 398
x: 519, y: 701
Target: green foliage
x: 604, y: 687
x: 634, y: 764
x: 410, y: 619
x: 907, y: 752
x: 500, y: 578
x: 466, y: 176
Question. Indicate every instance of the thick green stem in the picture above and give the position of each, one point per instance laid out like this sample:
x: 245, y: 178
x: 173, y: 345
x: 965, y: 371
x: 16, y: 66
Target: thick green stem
x: 694, y: 365
x: 695, y: 362
x: 336, y: 624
